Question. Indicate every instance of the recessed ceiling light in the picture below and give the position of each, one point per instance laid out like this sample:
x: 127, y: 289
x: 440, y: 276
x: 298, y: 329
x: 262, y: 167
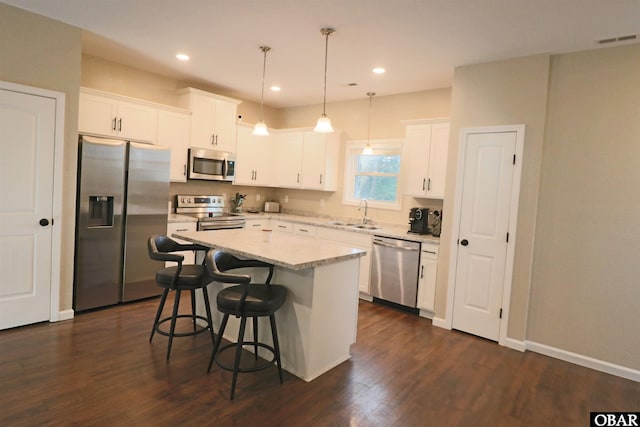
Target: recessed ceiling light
x: 379, y: 70
x: 275, y: 88
x: 182, y: 57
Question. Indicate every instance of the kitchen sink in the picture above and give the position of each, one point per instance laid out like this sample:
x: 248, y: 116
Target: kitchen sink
x: 344, y: 224
x: 366, y: 227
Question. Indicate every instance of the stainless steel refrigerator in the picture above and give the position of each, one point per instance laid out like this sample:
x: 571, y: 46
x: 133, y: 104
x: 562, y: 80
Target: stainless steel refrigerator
x: 122, y: 194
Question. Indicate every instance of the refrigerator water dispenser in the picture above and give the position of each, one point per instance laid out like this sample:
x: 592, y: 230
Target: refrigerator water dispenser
x: 100, y: 211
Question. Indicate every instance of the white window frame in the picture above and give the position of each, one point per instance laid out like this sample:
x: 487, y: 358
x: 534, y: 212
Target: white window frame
x: 378, y: 146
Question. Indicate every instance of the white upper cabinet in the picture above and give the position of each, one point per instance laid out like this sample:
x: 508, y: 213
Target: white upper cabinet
x: 253, y: 158
x: 104, y: 114
x: 307, y: 160
x: 287, y: 159
x: 425, y: 158
x: 213, y: 119
x: 173, y: 132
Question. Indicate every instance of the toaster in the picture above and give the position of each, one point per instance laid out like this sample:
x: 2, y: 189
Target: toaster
x: 272, y: 207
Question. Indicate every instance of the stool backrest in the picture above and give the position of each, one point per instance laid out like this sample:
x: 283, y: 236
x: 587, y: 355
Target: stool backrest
x: 159, y: 248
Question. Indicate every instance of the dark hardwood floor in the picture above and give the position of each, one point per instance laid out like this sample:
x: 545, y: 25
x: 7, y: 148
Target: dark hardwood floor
x: 100, y: 370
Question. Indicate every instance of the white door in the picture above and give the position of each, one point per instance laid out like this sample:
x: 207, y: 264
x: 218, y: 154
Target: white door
x: 485, y: 204
x: 26, y: 187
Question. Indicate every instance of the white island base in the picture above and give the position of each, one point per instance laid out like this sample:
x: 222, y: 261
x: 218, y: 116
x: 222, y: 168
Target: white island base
x: 316, y: 325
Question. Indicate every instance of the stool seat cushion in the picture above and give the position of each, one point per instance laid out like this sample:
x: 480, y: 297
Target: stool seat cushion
x: 190, y: 277
x: 262, y: 300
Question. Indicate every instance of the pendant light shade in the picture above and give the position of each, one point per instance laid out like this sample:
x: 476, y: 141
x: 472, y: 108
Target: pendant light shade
x: 367, y: 148
x: 261, y: 128
x: 324, y: 124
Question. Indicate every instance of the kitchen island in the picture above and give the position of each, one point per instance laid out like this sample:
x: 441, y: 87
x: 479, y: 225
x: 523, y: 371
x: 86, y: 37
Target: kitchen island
x: 317, y: 324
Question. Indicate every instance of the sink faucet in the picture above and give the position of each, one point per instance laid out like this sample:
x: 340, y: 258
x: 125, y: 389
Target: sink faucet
x: 365, y: 219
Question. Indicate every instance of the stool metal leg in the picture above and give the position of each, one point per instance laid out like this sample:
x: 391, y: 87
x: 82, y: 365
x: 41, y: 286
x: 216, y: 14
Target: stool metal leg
x: 159, y: 313
x: 255, y: 336
x: 276, y: 345
x: 173, y: 322
x: 236, y: 363
x: 223, y: 326
x: 207, y: 307
x: 193, y: 308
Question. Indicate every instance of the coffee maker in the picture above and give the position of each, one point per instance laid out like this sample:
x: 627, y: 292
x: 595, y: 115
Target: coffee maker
x: 419, y: 221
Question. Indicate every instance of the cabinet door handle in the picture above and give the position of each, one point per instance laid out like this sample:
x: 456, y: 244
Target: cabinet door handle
x: 464, y: 242
x: 184, y: 169
x: 113, y: 125
x: 298, y: 179
x: 320, y: 178
x: 304, y: 230
x: 256, y: 178
x: 182, y: 229
x: 421, y: 271
x: 429, y: 184
x: 120, y: 124
x: 424, y: 181
x: 212, y: 139
x: 282, y: 226
x: 216, y: 138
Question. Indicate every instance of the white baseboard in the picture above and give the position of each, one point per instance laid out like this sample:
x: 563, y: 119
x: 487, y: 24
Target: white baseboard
x: 65, y: 315
x: 440, y: 323
x: 365, y: 297
x: 587, y: 362
x: 515, y: 344
x: 426, y: 314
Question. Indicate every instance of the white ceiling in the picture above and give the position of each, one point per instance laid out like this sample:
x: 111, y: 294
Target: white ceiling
x: 419, y: 42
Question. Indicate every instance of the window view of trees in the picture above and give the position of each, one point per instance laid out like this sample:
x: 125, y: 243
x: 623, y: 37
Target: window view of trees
x: 376, y: 177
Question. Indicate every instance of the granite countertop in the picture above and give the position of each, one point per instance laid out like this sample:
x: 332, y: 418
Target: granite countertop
x: 387, y: 230
x: 284, y: 249
x: 181, y: 218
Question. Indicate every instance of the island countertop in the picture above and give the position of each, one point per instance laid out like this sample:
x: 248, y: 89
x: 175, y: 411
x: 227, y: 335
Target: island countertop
x: 284, y: 250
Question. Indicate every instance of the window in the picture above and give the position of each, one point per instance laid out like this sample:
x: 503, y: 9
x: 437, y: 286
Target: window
x: 375, y: 177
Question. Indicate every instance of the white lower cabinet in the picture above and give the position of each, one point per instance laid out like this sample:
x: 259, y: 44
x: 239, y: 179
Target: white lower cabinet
x: 257, y: 223
x: 283, y: 226
x: 427, y: 277
x: 304, y: 230
x: 174, y: 227
x: 356, y: 240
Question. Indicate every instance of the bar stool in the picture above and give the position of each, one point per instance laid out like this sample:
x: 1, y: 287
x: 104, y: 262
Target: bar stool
x: 245, y: 300
x: 178, y: 278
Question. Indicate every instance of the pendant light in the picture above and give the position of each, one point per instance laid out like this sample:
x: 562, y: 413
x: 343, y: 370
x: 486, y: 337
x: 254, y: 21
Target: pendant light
x: 367, y: 148
x: 261, y: 128
x: 324, y: 124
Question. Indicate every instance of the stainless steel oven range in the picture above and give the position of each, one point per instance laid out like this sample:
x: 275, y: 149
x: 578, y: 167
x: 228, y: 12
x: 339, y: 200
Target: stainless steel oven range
x: 210, y: 212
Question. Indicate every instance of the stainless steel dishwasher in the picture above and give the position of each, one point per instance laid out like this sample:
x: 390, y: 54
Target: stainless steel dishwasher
x: 394, y: 270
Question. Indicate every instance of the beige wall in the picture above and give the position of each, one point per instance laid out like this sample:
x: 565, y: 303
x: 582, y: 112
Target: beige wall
x: 501, y: 93
x: 585, y: 292
x: 40, y: 52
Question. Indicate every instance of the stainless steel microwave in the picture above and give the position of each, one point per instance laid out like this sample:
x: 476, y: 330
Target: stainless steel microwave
x: 211, y: 165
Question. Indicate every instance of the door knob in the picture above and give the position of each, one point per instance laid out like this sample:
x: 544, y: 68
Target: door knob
x: 464, y: 242
x: 44, y: 222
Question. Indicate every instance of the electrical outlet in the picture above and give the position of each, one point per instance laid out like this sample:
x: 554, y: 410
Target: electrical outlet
x: 286, y: 199
x: 258, y: 197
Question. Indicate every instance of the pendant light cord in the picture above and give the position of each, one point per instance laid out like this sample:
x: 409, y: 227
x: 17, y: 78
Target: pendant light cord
x: 326, y: 32
x: 369, y: 124
x: 264, y: 49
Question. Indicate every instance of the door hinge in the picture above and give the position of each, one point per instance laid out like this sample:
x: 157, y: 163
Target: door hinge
x: 500, y: 313
x: 514, y: 159
x: 507, y: 237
